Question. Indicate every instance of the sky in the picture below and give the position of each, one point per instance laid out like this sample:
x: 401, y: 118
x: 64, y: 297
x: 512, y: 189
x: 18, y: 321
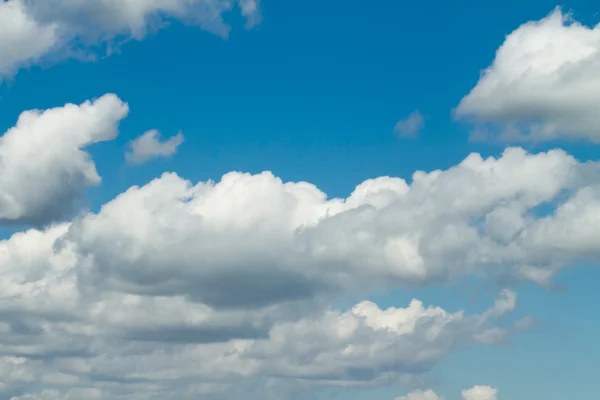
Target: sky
x: 224, y: 199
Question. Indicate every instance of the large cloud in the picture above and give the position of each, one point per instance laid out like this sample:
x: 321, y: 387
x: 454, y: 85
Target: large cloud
x: 33, y: 30
x: 253, y: 240
x: 181, y: 289
x: 44, y: 167
x: 59, y: 338
x: 176, y: 290
x: 544, y: 84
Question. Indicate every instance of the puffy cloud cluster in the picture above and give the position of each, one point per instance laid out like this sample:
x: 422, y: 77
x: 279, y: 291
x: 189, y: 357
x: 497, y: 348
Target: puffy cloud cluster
x: 219, y: 244
x: 544, y: 84
x: 475, y: 393
x: 224, y: 290
x: 178, y: 289
x: 33, y: 30
x: 59, y: 334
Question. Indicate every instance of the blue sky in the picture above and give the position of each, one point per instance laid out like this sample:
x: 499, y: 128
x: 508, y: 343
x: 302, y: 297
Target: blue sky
x: 312, y: 93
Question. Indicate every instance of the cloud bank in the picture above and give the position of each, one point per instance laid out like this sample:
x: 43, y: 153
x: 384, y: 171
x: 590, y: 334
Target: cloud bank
x: 179, y: 288
x: 67, y: 336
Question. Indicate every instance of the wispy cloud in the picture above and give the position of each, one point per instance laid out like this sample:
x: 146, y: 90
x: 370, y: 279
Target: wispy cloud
x: 149, y: 146
x: 411, y: 126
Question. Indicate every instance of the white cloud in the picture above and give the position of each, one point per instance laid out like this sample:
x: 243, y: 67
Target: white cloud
x: 367, y: 343
x: 33, y: 30
x: 480, y: 393
x: 420, y: 395
x: 44, y: 167
x: 219, y: 244
x: 475, y: 393
x: 411, y: 126
x: 544, y: 84
x: 182, y: 288
x: 149, y: 146
x: 223, y: 290
x: 65, y: 336
x: 23, y: 40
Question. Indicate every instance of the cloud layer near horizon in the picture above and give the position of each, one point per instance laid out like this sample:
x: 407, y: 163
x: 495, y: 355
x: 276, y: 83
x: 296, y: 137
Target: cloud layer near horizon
x: 479, y: 217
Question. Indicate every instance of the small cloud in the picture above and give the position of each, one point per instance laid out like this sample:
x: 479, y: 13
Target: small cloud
x: 480, y: 393
x: 149, y: 146
x: 420, y: 395
x: 251, y: 10
x: 411, y: 126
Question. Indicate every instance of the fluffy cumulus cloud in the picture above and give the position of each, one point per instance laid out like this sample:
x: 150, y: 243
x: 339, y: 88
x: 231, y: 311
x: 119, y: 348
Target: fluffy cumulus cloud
x: 180, y: 290
x: 544, y: 84
x: 66, y: 338
x: 44, y: 167
x: 35, y: 30
x: 23, y: 40
x: 217, y: 242
x: 149, y: 146
x: 223, y: 290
